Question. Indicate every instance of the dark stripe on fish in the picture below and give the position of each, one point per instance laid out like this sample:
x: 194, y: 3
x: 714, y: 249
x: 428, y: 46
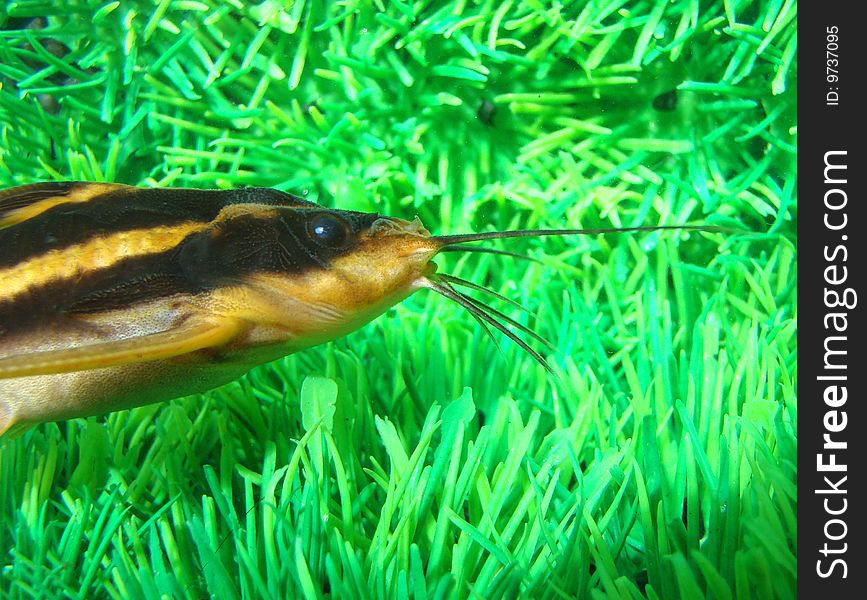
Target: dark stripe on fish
x: 26, y: 195
x: 124, y: 209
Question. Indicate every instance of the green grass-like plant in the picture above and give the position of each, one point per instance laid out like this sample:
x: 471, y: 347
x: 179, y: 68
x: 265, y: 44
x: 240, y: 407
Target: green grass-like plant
x: 412, y: 459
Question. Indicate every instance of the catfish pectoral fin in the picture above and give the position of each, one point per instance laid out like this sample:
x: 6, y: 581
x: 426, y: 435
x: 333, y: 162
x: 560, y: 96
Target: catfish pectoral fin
x: 184, y: 339
x: 9, y: 429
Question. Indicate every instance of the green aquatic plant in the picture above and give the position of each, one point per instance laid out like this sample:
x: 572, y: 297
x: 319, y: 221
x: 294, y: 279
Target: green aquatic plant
x: 413, y: 459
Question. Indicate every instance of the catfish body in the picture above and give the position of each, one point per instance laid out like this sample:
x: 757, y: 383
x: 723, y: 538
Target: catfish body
x: 113, y: 296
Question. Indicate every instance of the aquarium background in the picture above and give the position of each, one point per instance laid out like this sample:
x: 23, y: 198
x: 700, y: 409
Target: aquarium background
x: 413, y: 458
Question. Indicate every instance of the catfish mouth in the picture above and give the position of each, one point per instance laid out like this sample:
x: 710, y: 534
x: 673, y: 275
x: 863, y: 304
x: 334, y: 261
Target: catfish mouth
x: 417, y: 246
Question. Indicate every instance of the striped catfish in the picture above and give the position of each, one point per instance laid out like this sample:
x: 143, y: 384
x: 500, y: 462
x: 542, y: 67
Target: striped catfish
x: 113, y: 296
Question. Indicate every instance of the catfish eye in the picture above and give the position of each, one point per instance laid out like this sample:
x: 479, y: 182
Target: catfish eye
x: 329, y: 231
